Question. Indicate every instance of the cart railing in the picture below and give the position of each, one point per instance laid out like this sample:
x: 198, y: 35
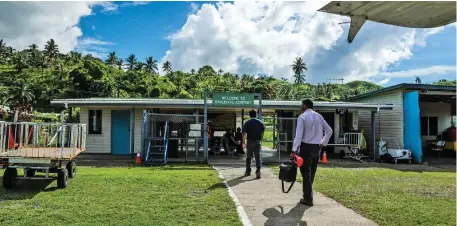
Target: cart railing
x: 353, y: 139
x: 42, y: 140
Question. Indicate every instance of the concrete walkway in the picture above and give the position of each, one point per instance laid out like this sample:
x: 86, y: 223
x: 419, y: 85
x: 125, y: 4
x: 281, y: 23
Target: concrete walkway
x: 265, y: 204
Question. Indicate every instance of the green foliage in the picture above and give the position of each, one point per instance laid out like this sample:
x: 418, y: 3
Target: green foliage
x: 31, y: 78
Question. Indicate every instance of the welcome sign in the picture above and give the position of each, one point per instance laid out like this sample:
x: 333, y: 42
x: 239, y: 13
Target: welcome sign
x: 233, y: 100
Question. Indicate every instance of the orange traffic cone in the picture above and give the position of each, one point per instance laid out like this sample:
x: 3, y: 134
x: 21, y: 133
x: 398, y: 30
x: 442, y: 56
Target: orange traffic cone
x: 324, y: 158
x: 138, y: 158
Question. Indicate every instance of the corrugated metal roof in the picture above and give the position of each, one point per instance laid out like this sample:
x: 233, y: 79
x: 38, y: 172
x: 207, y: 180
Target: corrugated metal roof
x: 405, y: 86
x: 192, y: 103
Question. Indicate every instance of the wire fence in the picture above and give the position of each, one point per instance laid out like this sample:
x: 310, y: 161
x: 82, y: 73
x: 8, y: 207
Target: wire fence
x: 173, y: 136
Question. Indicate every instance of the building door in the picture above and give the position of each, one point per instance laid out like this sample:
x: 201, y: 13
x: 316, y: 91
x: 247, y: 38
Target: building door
x: 120, y: 132
x: 412, y: 125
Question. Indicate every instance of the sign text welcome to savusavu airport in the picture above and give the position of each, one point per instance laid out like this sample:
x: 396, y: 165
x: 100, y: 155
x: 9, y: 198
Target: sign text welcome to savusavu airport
x: 233, y: 99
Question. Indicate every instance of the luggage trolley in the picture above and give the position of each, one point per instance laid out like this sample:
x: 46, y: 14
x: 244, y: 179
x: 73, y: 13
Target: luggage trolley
x: 353, y: 142
x: 40, y: 147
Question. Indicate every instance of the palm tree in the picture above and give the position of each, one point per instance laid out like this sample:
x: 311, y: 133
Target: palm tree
x: 167, y: 67
x: 111, y: 61
x: 298, y: 67
x: 21, y: 96
x: 418, y: 80
x: 51, y: 50
x: 131, y: 61
x: 192, y: 71
x: 220, y: 71
x: 151, y: 65
x: 139, y: 66
x: 74, y: 56
x: 119, y: 63
x: 20, y: 60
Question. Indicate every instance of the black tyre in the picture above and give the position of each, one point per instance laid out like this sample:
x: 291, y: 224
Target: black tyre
x: 71, y: 168
x: 9, y: 178
x: 342, y: 154
x: 62, y: 178
x: 31, y: 172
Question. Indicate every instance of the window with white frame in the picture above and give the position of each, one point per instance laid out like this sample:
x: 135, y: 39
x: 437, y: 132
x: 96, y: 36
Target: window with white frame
x: 95, y: 121
x: 429, y: 126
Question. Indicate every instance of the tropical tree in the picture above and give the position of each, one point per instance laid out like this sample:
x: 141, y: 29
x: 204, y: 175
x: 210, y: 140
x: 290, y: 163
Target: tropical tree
x: 21, y: 97
x: 220, y: 71
x: 151, y: 65
x: 167, y: 67
x: 20, y: 61
x: 298, y: 67
x: 131, y: 61
x: 111, y: 60
x: 51, y: 50
x: 119, y: 63
x: 139, y: 66
x: 192, y: 71
x: 418, y: 80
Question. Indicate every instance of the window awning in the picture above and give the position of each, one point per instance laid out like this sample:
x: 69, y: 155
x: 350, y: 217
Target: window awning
x: 404, y: 14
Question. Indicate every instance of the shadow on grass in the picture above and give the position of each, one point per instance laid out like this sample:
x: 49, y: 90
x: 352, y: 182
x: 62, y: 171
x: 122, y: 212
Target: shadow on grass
x: 293, y: 217
x: 232, y: 183
x: 25, y: 189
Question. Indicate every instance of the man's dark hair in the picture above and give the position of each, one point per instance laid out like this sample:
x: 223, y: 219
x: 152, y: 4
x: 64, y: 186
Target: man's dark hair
x: 308, y: 103
x: 252, y: 114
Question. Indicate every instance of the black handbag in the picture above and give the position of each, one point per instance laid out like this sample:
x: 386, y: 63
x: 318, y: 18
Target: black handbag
x: 288, y: 173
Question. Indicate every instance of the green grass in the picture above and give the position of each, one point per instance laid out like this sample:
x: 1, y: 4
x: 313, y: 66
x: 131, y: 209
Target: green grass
x: 391, y: 197
x: 191, y: 195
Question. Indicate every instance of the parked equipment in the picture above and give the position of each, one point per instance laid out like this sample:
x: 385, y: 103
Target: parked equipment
x: 393, y: 155
x: 40, y: 147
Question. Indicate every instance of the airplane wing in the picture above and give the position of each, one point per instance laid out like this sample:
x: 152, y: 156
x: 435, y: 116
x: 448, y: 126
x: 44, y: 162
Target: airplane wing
x: 405, y: 14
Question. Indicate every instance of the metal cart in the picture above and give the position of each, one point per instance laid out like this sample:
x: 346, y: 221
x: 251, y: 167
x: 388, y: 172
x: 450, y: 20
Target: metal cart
x: 40, y: 147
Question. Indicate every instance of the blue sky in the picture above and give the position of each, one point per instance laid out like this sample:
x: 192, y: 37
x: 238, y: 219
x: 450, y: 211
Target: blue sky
x: 240, y: 37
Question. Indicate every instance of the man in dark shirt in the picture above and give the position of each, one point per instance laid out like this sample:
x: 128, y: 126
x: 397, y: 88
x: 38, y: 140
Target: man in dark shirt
x: 253, y: 132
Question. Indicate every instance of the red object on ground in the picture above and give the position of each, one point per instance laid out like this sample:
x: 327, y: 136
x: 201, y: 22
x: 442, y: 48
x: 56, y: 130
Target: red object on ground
x: 324, y: 158
x: 138, y: 158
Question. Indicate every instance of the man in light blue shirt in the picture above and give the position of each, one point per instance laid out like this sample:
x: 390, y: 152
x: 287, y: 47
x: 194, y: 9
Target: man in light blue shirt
x: 312, y: 133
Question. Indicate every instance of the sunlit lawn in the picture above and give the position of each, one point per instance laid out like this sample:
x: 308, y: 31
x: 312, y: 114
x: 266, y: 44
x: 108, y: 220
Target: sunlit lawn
x: 391, y: 197
x: 180, y: 195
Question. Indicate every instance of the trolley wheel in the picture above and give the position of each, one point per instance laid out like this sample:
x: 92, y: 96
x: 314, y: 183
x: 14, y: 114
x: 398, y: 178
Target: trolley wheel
x: 342, y: 154
x: 62, y: 178
x: 71, y: 168
x: 9, y: 178
x: 31, y: 172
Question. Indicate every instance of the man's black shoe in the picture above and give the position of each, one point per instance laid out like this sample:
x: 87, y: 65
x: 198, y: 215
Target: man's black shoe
x: 302, y: 201
x: 247, y: 174
x: 257, y: 175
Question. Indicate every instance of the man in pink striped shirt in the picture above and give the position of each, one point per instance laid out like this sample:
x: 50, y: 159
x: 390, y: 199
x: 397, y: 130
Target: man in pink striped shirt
x: 312, y: 133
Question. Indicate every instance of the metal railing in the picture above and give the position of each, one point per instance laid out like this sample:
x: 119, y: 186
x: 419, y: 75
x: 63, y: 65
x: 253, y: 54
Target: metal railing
x: 171, y: 137
x: 42, y: 140
x: 353, y: 140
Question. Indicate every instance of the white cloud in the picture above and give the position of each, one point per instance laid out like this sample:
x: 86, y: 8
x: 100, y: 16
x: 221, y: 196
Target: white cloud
x: 24, y: 23
x: 438, y: 70
x: 93, y: 46
x: 110, y: 7
x: 255, y: 37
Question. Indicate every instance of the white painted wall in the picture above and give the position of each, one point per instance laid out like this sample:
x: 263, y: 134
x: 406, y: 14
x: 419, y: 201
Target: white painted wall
x: 389, y: 123
x: 440, y: 110
x: 137, y: 133
x: 97, y: 143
